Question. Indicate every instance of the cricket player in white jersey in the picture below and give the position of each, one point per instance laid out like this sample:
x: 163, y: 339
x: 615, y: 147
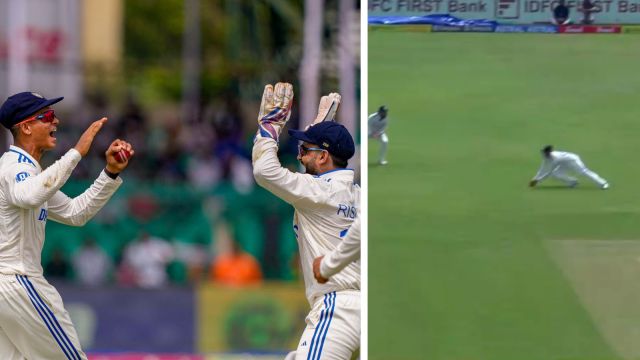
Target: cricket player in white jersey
x: 33, y: 321
x: 347, y: 252
x: 377, y: 126
x: 557, y: 164
x: 326, y: 202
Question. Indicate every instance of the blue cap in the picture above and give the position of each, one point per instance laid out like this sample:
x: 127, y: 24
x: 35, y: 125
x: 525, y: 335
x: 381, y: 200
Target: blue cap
x: 22, y: 105
x: 330, y: 136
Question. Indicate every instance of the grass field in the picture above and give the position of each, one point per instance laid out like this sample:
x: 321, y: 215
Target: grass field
x: 466, y: 261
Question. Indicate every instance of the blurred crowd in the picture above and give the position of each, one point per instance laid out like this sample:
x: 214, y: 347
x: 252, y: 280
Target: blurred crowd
x: 188, y: 210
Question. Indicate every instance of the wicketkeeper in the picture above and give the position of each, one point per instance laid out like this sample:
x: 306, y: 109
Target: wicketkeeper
x: 326, y: 202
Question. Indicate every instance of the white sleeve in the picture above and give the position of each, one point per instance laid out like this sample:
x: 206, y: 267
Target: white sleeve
x: 544, y: 171
x: 28, y: 190
x: 79, y: 210
x: 347, y: 252
x: 295, y: 189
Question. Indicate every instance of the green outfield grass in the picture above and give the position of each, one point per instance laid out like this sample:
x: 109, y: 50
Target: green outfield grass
x: 466, y: 261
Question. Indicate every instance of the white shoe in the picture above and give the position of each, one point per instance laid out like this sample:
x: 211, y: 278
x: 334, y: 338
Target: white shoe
x: 605, y: 186
x: 383, y: 162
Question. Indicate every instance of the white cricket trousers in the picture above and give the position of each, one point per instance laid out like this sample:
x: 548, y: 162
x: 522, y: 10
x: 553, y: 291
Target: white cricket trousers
x: 579, y: 167
x: 33, y: 322
x: 333, y: 328
x: 384, y: 143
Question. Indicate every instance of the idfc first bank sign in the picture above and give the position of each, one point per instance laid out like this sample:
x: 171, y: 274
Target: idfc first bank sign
x: 513, y: 11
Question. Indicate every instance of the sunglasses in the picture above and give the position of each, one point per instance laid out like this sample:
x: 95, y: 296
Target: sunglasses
x: 303, y: 150
x: 46, y: 117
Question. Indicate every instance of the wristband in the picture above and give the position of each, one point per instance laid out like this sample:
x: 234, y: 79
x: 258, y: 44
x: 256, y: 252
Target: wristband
x: 110, y: 174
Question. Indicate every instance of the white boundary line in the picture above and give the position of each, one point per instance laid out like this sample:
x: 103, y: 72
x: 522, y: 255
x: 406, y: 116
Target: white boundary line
x: 364, y: 179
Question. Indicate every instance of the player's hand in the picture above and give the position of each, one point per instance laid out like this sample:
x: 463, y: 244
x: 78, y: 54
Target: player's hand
x: 316, y: 270
x: 327, y: 108
x: 533, y: 183
x: 84, y: 143
x: 275, y: 109
x: 113, y: 165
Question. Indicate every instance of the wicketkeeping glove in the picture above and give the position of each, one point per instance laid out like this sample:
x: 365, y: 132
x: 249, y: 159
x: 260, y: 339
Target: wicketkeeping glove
x: 327, y: 109
x: 275, y: 110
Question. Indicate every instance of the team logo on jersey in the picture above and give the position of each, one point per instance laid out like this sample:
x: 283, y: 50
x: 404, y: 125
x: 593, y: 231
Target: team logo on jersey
x: 43, y: 215
x: 21, y: 176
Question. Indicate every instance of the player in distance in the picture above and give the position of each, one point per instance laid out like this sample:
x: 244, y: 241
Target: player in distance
x: 377, y: 130
x: 558, y: 164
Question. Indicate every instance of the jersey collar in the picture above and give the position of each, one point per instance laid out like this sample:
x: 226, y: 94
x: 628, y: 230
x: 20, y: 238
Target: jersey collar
x: 22, y: 154
x: 338, y: 174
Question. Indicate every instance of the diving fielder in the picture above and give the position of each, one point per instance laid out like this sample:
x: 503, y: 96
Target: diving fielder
x: 33, y: 321
x: 377, y: 127
x: 557, y: 164
x: 326, y: 202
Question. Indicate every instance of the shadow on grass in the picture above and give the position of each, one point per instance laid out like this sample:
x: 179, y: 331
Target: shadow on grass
x: 567, y: 188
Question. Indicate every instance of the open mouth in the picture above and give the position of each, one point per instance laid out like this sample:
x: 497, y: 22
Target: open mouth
x: 52, y: 133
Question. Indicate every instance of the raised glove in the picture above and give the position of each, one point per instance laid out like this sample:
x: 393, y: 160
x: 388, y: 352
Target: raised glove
x: 327, y: 109
x: 275, y: 110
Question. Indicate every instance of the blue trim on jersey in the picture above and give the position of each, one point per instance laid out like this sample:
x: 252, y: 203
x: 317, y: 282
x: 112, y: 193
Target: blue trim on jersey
x: 326, y: 330
x: 44, y: 318
x: 330, y: 171
x: 22, y: 158
x: 50, y: 319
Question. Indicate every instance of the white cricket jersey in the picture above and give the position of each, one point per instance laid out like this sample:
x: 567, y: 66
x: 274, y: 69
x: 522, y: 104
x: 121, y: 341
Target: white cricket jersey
x: 28, y: 196
x: 347, y: 252
x: 377, y: 124
x: 557, y: 159
x: 325, y: 207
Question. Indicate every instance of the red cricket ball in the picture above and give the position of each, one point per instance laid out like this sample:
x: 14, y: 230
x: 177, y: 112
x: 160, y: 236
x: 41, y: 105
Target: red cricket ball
x: 122, y: 155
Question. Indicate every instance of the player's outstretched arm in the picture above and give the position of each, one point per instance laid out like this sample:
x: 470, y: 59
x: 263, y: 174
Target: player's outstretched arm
x: 543, y: 172
x: 82, y: 208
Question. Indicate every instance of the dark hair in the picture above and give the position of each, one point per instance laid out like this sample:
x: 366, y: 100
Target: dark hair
x: 547, y: 149
x: 14, y: 132
x: 339, y: 162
